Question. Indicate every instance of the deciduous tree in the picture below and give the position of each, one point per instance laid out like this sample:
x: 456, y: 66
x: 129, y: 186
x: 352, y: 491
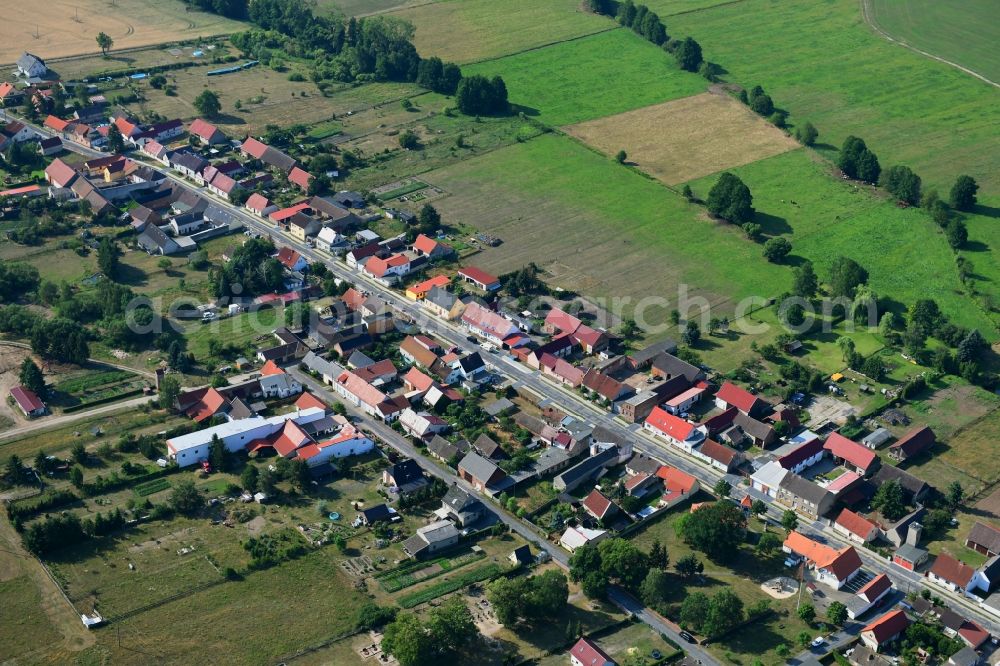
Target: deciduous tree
x: 963, y: 193
x: 730, y: 199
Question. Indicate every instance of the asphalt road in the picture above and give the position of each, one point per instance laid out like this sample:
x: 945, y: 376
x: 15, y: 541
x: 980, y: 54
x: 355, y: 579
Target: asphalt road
x: 525, y: 378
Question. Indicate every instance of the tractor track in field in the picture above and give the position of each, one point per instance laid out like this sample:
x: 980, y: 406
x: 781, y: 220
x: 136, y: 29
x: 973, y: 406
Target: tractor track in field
x: 866, y: 13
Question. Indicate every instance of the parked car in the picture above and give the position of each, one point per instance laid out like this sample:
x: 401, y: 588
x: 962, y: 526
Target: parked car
x: 688, y: 637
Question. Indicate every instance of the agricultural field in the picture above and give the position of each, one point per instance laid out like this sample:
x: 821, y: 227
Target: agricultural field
x: 68, y: 28
x: 543, y: 200
x: 822, y: 63
x: 969, y: 455
x: 965, y: 32
x: 824, y: 217
x: 466, y: 31
x: 363, y: 7
x: 591, y: 77
x: 687, y: 138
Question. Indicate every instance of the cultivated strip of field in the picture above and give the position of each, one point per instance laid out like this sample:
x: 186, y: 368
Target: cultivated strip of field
x: 687, y: 138
x: 825, y: 217
x: 592, y: 77
x: 823, y: 64
x: 470, y: 30
x: 599, y: 228
x: 62, y: 28
x: 965, y: 32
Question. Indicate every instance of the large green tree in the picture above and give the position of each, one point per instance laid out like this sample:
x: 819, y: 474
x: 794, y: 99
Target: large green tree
x: 31, y: 377
x: 716, y: 529
x: 902, y: 183
x: 108, y: 254
x: 407, y: 640
x: 963, y: 193
x: 846, y: 275
x: 730, y: 199
x: 622, y: 560
x: 208, y: 105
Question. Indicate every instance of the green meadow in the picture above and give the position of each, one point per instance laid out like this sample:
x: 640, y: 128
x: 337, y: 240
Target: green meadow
x: 903, y: 250
x: 592, y: 77
x: 820, y: 61
x: 965, y: 32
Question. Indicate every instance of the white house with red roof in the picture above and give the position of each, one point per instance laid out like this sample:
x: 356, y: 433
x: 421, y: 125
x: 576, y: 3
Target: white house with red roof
x: 388, y: 270
x: 731, y: 395
x: 855, y: 457
x: 951, y: 573
x: 291, y: 259
x: 60, y: 174
x: 587, y: 653
x: 300, y: 177
x: 425, y: 246
x: 192, y: 448
x: 251, y: 147
x: 829, y: 565
x: 479, y: 278
x: 371, y: 400
x: 223, y: 185
x: 349, y: 441
x: 680, y: 433
x: 678, y: 486
x: 206, y: 132
x: 485, y: 323
x: 27, y: 401
x: 870, y: 594
x: 885, y: 630
x: 258, y: 204
x: 856, y: 527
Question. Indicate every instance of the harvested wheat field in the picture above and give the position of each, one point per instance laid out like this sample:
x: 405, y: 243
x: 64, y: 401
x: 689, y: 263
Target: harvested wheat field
x: 686, y: 138
x: 70, y: 28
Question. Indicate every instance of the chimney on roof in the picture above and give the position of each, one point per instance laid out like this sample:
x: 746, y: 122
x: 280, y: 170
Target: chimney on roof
x: 914, y: 533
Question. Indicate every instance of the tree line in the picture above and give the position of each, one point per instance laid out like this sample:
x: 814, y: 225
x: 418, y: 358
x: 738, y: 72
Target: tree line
x: 647, y: 24
x: 376, y: 48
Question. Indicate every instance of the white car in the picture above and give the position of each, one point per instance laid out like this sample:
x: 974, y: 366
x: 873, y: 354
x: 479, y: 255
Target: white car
x: 816, y: 642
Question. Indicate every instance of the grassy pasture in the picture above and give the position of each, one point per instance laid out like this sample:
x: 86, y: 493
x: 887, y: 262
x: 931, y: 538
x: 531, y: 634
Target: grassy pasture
x: 743, y: 576
x: 236, y: 621
x: 471, y: 30
x: 825, y: 217
x: 671, y: 7
x: 822, y: 63
x: 550, y: 200
x: 963, y: 31
x: 686, y: 138
x: 267, y: 97
x: 592, y: 77
x: 69, y: 28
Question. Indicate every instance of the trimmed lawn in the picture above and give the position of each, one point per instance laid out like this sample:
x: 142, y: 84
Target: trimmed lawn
x: 470, y: 30
x: 592, y: 77
x: 243, y: 329
x: 822, y: 63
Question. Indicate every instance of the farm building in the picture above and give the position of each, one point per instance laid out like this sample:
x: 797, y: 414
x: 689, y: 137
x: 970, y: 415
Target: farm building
x: 27, y: 401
